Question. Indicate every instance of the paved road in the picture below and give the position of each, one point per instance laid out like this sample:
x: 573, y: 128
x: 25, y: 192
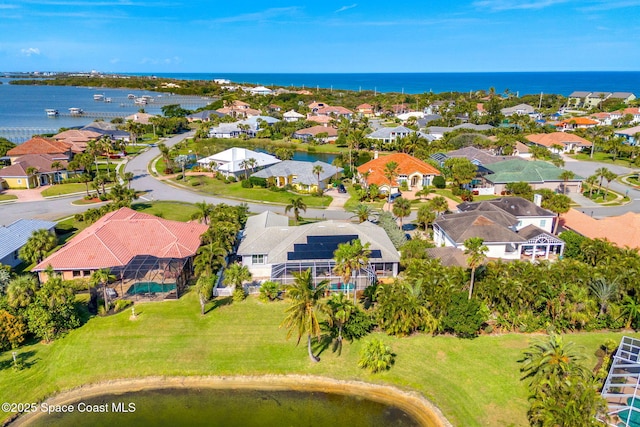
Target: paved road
x: 53, y: 209
x: 586, y: 169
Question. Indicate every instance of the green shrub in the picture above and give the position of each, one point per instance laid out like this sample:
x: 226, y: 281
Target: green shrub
x: 439, y: 182
x: 464, y: 316
x: 269, y: 291
x: 195, y: 182
x: 231, y: 179
x: 246, y: 184
x: 376, y: 356
x: 121, y: 304
x: 258, y: 182
x: 179, y: 177
x: 239, y: 294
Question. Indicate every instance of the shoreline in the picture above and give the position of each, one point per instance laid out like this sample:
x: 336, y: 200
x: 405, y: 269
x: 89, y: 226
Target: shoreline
x: 414, y: 404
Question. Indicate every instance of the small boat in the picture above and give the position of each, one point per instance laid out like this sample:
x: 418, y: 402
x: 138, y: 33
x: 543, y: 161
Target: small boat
x: 76, y: 111
x: 131, y: 96
x: 141, y: 101
x: 98, y: 97
x: 51, y: 112
x: 107, y: 100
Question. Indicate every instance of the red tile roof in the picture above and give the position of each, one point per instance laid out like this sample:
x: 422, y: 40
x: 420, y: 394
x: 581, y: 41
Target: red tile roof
x: 40, y: 145
x: 557, y: 138
x: 580, y: 121
x: 319, y: 119
x: 334, y: 110
x: 623, y: 230
x: 42, y: 162
x: 406, y: 166
x: 116, y: 238
x: 315, y: 130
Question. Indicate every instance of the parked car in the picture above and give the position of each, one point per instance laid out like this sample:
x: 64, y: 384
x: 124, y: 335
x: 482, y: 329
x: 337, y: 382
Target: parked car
x: 341, y: 189
x: 111, y: 293
x: 394, y: 196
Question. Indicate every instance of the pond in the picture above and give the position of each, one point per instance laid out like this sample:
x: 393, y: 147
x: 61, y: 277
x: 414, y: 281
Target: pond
x: 229, y: 408
x: 305, y: 156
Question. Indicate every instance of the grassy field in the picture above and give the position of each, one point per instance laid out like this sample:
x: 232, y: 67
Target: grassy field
x: 235, y: 190
x: 474, y: 382
x: 61, y: 189
x: 600, y: 156
x: 175, y: 211
x: 7, y: 197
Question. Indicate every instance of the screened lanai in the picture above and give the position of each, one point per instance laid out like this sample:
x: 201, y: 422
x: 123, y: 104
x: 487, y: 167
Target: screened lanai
x: 149, y: 277
x: 540, y: 245
x: 323, y: 270
x: 621, y: 386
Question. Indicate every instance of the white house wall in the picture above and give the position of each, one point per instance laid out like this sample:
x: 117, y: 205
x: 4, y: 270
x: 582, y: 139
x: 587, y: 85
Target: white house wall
x: 545, y: 223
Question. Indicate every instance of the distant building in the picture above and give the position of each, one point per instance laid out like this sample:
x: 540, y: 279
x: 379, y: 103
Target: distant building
x: 15, y: 235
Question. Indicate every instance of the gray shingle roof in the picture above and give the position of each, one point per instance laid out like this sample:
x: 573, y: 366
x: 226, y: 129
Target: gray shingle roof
x: 492, y: 227
x: 303, y: 171
x: 516, y: 206
x: 277, y: 240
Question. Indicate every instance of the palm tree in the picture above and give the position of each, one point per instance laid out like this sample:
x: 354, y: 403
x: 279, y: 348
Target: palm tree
x: 31, y: 171
x: 631, y: 310
x: 376, y: 356
x: 102, y: 277
x: 37, y: 246
x: 339, y: 309
x: 204, y: 289
x: 56, y: 165
x: 401, y: 208
x: 128, y: 176
x: 425, y: 215
x: 362, y: 212
x: 203, y: 212
x: 209, y: 258
x: 317, y: 170
x: 302, y: 313
x: 604, y: 290
x: 350, y: 258
x: 601, y: 173
x: 390, y: 172
x: 476, y: 250
x: 245, y: 165
x: 236, y: 274
x: 549, y: 361
x: 21, y: 291
x: 565, y: 176
x: 296, y: 205
x: 439, y: 204
x: 609, y: 176
x: 86, y: 179
x: 559, y: 204
x: 591, y: 181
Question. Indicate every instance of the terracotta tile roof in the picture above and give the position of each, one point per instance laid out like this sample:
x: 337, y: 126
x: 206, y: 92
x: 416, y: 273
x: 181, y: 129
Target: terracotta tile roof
x: 583, y: 121
x: 558, y: 138
x: 319, y: 119
x: 40, y: 145
x: 42, y: 162
x: 364, y: 107
x: 334, y: 110
x: 623, y: 230
x: 406, y: 165
x: 116, y: 238
x: 315, y: 130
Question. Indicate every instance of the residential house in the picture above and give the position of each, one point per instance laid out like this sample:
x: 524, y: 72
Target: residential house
x: 204, y: 116
x: 109, y: 129
x: 300, y: 175
x: 365, y: 110
x: 576, y: 123
x: 631, y: 135
x: 260, y: 90
x: 41, y: 145
x: 275, y: 108
x: 622, y: 230
x: 334, y: 111
x: 17, y: 175
x: 142, y: 118
x: 323, y: 120
x: 322, y: 133
x: 137, y: 248
x: 537, y: 174
x: 292, y: 116
x: 437, y: 132
x: 583, y: 99
x: 15, y: 235
x: 77, y: 138
x: 520, y: 109
x: 236, y: 161
x: 511, y: 228
x: 559, y: 142
x: 315, y: 106
x: 273, y: 250
x: 239, y: 109
x: 386, y: 135
x: 412, y: 172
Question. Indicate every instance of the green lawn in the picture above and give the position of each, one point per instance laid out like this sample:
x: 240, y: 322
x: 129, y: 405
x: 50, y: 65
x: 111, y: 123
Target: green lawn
x: 61, y: 189
x: 474, y: 382
x: 235, y: 190
x: 175, y: 211
x: 7, y: 197
x: 600, y: 156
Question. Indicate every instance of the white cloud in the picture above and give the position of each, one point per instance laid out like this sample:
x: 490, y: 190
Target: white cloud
x: 609, y: 5
x: 500, y: 5
x: 343, y: 8
x: 30, y: 51
x: 257, y: 16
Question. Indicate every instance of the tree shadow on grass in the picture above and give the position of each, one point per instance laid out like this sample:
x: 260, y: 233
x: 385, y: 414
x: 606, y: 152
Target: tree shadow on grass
x: 25, y: 360
x: 319, y: 346
x: 219, y: 302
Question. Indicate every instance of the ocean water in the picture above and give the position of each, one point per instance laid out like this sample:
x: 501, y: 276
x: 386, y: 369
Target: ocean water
x: 22, y: 107
x: 562, y: 83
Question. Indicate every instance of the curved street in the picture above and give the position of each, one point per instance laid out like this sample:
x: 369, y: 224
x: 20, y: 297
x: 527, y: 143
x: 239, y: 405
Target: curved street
x: 61, y: 207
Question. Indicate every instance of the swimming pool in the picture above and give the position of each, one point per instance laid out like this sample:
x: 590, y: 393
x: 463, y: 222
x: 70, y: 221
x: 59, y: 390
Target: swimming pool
x: 148, y: 287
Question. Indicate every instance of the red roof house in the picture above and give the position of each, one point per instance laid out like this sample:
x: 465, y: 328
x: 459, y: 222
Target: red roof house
x: 41, y: 145
x: 121, y: 239
x: 416, y: 173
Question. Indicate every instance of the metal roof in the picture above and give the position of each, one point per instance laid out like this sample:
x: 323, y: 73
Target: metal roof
x: 15, y: 235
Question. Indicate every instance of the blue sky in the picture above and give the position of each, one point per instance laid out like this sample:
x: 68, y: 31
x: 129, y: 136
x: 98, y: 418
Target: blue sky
x: 322, y: 36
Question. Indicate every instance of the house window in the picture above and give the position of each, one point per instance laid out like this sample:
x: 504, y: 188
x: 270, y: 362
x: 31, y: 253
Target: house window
x: 257, y: 259
x: 76, y: 273
x: 543, y: 223
x: 16, y: 254
x: 86, y: 273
